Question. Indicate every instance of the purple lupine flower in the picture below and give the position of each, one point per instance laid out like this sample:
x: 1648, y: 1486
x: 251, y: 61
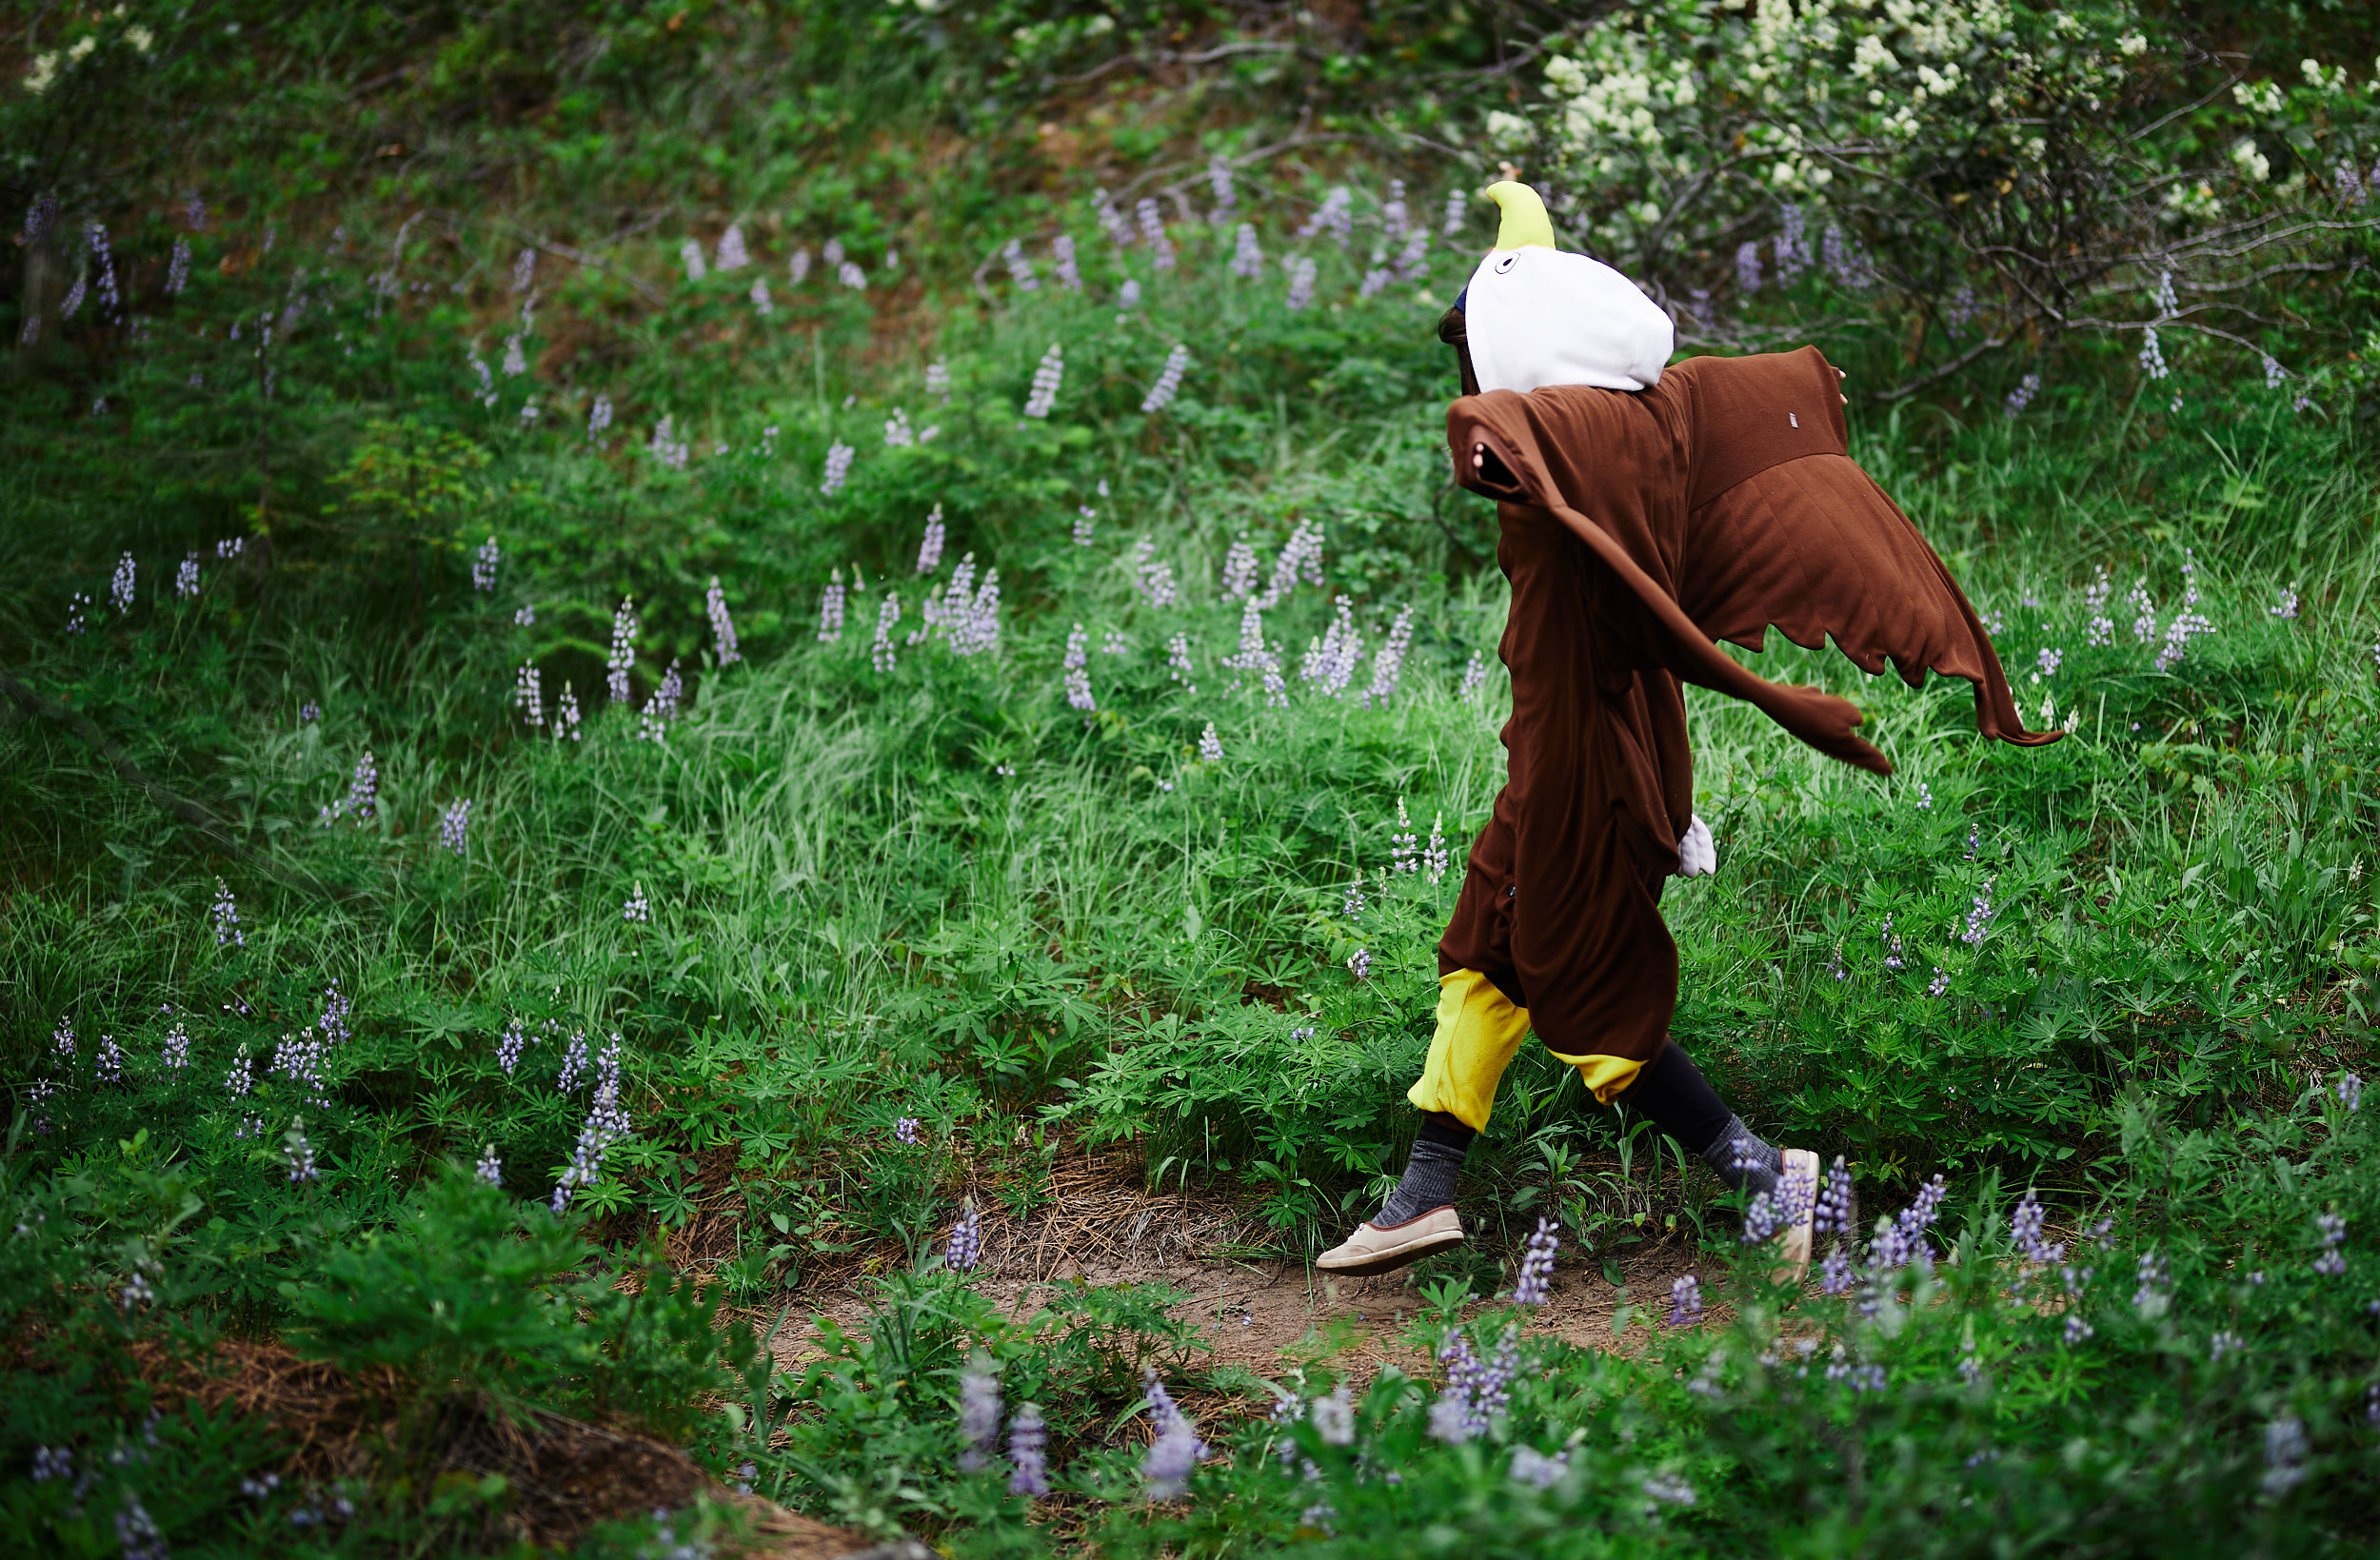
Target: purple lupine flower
x: 300, y: 1057
x: 937, y: 380
x: 1062, y: 261
x: 1210, y: 745
x: 1685, y: 1300
x: 489, y: 1168
x: 1360, y: 962
x: 1247, y: 255
x: 1028, y: 1459
x: 77, y: 604
x: 1219, y: 182
x: 798, y: 268
x: 636, y: 910
x: 332, y: 1020
x: 1168, y: 380
x: 185, y: 577
x: 1153, y: 233
x: 723, y: 651
x: 516, y: 1039
x: 1536, y: 1266
x: 566, y: 714
x: 691, y: 255
x: 226, y: 916
x: 1388, y: 662
x: 483, y: 563
x: 1335, y: 215
x: 931, y: 545
x: 107, y: 1061
x: 732, y: 254
x: 897, y: 433
x: 849, y: 274
x: 1537, y: 1470
x: 1019, y: 269
x: 1301, y: 283
x: 887, y: 613
x: 454, y: 823
x: 2287, y: 605
x: 622, y: 659
x: 831, y: 610
x: 1748, y: 267
x: 1331, y: 660
x: 762, y: 304
x: 838, y: 469
x: 1047, y: 377
x: 2333, y: 1228
x: 905, y: 1129
x: 2156, y: 1277
x: 2025, y: 1233
x: 136, y: 1531
x: 1941, y: 984
x: 1154, y: 576
x: 2285, y: 1451
x: 122, y: 586
x: 1240, y: 571
x: 607, y: 1123
x: 1834, y: 1275
x: 1333, y: 1417
x: 2350, y: 1091
x: 1434, y: 855
x: 178, y: 1049
x: 1832, y: 1213
x: 966, y: 1239
x: 1078, y: 675
x: 1979, y: 916
x: 599, y: 419
x: 2021, y: 397
x: 1177, y: 1450
x: 573, y: 1061
x: 978, y: 1413
x: 297, y: 1152
x: 1404, y: 846
x: 653, y: 721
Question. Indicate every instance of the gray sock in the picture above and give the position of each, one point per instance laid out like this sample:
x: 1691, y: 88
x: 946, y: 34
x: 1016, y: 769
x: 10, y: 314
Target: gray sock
x: 1743, y: 1161
x: 1429, y: 1183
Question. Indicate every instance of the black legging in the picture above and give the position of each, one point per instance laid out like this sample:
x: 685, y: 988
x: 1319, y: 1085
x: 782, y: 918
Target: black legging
x: 1671, y: 1090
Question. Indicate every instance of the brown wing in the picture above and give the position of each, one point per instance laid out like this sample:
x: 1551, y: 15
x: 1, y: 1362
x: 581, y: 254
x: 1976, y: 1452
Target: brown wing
x: 1623, y: 454
x: 1813, y: 547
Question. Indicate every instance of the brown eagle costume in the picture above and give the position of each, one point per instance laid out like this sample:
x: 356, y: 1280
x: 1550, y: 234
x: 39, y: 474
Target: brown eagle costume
x: 1646, y: 514
x: 1637, y: 530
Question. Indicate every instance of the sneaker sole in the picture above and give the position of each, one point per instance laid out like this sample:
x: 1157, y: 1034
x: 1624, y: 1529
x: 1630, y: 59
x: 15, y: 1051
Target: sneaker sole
x: 1390, y: 1260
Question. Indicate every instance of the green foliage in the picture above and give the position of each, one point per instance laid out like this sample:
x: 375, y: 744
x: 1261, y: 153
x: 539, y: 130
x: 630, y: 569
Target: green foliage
x: 922, y: 928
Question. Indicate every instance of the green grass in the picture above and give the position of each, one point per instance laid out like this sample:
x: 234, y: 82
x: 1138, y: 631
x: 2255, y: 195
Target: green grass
x: 940, y: 893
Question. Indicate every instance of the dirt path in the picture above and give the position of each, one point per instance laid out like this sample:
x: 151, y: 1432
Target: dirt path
x: 1101, y: 1228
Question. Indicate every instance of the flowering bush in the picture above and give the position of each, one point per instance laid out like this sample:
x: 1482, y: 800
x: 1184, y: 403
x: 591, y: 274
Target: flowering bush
x: 1964, y: 177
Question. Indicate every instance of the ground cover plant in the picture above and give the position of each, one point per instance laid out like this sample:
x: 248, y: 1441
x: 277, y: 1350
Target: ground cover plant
x: 655, y: 661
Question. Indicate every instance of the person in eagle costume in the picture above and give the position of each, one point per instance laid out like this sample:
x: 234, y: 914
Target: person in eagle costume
x: 1646, y: 511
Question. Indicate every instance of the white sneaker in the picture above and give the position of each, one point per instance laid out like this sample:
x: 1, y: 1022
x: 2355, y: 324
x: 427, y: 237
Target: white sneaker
x: 1793, y: 1242
x: 1372, y: 1249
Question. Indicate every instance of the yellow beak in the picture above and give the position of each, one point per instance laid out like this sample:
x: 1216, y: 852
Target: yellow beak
x: 1524, y: 222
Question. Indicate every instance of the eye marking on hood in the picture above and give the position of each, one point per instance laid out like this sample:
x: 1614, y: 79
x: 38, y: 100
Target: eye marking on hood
x: 1506, y: 264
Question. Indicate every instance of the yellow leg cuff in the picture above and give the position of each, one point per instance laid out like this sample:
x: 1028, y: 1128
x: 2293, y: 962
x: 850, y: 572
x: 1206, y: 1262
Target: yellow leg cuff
x: 1604, y: 1076
x: 1478, y: 1029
